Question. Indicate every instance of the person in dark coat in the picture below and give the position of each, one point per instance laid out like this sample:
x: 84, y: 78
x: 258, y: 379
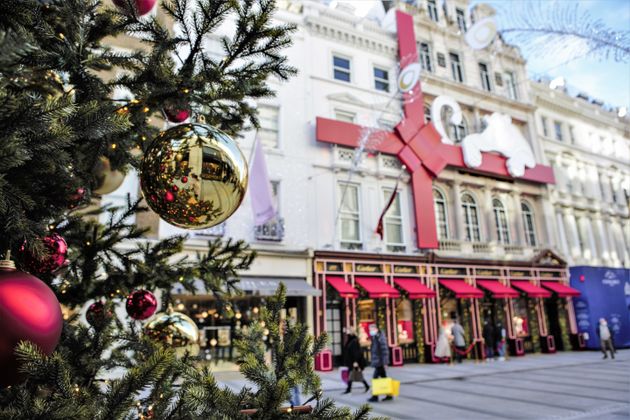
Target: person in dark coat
x: 489, y: 338
x: 379, y: 353
x: 355, y: 361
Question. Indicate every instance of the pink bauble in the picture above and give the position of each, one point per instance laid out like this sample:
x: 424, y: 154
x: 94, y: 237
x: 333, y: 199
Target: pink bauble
x: 98, y: 315
x: 176, y: 115
x: 57, y: 250
x: 142, y: 6
x: 141, y: 304
x: 29, y: 311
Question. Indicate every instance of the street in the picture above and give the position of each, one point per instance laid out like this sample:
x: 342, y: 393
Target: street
x: 573, y: 385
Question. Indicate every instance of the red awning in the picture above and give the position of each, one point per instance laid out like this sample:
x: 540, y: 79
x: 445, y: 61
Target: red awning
x: 497, y: 289
x: 377, y: 288
x: 414, y: 288
x: 340, y: 285
x: 561, y: 289
x: 462, y: 289
x: 531, y: 289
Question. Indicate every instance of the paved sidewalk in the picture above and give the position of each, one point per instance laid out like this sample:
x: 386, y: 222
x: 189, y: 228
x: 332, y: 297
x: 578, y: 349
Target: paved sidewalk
x: 572, y: 385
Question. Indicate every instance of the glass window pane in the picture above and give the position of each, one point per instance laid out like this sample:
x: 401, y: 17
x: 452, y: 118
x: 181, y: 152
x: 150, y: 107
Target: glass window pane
x: 341, y: 62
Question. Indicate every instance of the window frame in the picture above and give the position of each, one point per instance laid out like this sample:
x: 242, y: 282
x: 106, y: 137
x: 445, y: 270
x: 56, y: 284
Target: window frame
x: 501, y: 221
x: 484, y: 75
x: 381, y: 80
x: 456, y: 64
x: 342, y: 112
x: 336, y: 68
x: 557, y: 130
x: 432, y: 11
x: 543, y: 123
x: 355, y: 216
x: 264, y: 131
x: 472, y: 230
x: 460, y: 16
x: 426, y: 57
x: 529, y: 223
x: 393, y: 219
x: 511, y: 85
x: 442, y: 226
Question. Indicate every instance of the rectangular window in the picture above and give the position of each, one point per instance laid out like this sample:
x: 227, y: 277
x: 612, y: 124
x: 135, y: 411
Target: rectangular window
x: 441, y: 60
x: 461, y: 19
x: 341, y: 68
x: 345, y: 116
x: 433, y: 10
x: 268, y: 117
x: 456, y: 67
x: 349, y: 216
x: 425, y: 57
x: 393, y: 223
x: 381, y: 79
x: 557, y: 128
x: 485, y: 77
x: 275, y: 195
x: 510, y: 84
x: 545, y: 129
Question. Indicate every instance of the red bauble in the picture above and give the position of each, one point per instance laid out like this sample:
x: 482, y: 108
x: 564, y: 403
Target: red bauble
x: 142, y: 6
x: 98, y: 315
x: 141, y: 304
x: 57, y: 249
x: 176, y: 115
x: 77, y: 198
x: 29, y: 311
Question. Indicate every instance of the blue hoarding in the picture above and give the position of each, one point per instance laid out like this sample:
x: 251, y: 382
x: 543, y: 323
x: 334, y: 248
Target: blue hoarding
x: 605, y: 294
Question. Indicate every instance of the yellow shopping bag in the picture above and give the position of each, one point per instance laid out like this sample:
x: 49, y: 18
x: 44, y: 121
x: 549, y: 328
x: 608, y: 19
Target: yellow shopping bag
x: 385, y: 386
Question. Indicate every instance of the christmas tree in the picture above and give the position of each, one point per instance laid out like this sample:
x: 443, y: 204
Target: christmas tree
x: 66, y: 134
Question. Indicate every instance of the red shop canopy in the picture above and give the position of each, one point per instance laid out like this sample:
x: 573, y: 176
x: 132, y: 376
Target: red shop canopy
x: 414, y: 288
x: 340, y: 285
x: 377, y: 288
x: 462, y: 289
x: 531, y: 289
x: 497, y: 289
x: 561, y: 289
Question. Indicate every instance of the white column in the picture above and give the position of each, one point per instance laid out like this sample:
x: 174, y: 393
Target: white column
x: 624, y: 255
x: 572, y: 233
x: 610, y: 233
x: 457, y: 229
x: 602, y: 242
x: 564, y: 243
x: 488, y: 216
x: 548, y: 232
x: 591, y: 239
x: 518, y: 230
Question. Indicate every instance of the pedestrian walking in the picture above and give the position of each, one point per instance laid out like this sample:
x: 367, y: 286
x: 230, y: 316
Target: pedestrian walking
x: 605, y: 338
x: 500, y: 340
x: 459, y: 340
x: 379, y: 353
x: 443, y: 347
x: 354, y: 360
x: 489, y: 338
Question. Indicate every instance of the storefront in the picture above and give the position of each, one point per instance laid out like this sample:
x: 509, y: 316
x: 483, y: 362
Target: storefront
x: 409, y: 299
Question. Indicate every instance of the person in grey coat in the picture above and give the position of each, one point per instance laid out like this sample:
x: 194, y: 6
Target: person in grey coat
x: 459, y: 339
x: 379, y: 354
x: 605, y: 338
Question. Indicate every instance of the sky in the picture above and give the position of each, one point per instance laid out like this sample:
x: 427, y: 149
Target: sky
x: 606, y: 80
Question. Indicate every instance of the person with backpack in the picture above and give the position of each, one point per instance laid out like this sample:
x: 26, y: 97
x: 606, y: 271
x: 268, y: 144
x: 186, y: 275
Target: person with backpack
x: 354, y: 360
x: 379, y: 353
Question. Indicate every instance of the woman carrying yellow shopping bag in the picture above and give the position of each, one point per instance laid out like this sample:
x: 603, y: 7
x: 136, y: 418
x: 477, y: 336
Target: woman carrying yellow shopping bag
x: 379, y: 353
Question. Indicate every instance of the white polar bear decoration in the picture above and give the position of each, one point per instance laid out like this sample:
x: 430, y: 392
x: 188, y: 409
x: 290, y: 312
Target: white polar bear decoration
x: 503, y: 137
x: 500, y: 135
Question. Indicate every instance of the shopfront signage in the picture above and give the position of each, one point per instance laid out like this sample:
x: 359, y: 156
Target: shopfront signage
x: 548, y: 274
x: 488, y: 272
x: 520, y: 273
x: 337, y: 267
x: 418, y: 145
x: 452, y: 271
x: 368, y: 268
x: 405, y: 269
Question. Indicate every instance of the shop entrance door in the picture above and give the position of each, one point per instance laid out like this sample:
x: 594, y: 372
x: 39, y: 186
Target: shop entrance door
x: 334, y: 329
x: 551, y: 308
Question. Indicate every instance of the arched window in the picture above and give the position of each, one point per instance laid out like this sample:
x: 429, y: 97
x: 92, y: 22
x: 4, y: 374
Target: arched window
x: 441, y: 214
x: 528, y: 224
x: 471, y: 218
x: 500, y: 220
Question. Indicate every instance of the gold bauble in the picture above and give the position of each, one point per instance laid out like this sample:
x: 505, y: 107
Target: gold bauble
x: 193, y: 176
x: 176, y: 330
x: 107, y: 181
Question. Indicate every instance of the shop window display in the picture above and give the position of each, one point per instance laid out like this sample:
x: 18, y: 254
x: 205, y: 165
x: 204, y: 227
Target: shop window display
x: 520, y: 320
x: 404, y: 316
x: 367, y: 317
